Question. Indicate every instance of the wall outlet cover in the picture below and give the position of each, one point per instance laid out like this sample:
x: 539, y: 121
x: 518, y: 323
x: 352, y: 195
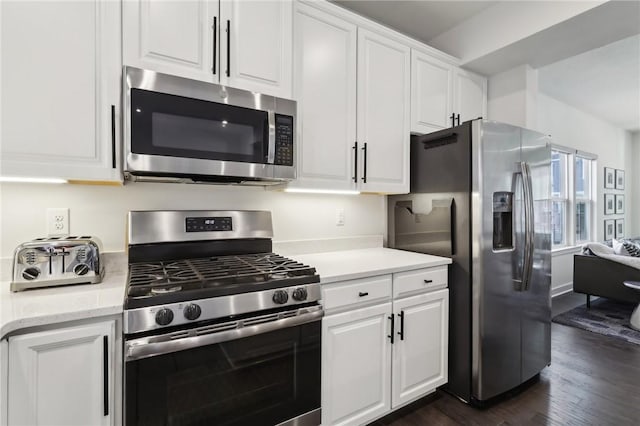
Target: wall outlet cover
x: 57, y: 222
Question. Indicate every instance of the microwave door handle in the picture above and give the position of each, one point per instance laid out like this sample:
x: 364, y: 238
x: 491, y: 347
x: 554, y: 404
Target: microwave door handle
x: 271, y: 153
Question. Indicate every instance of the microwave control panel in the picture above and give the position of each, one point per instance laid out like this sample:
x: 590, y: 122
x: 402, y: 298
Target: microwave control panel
x: 284, y: 140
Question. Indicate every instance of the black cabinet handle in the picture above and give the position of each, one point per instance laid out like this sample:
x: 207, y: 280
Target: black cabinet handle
x: 401, y: 332
x: 363, y: 294
x: 355, y: 161
x: 364, y: 177
x: 105, y: 377
x: 453, y: 119
x: 228, y: 48
x: 113, y: 136
x: 390, y: 336
x: 428, y: 281
x: 215, y: 43
x: 458, y: 118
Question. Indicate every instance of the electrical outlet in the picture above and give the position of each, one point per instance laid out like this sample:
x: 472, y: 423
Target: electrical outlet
x: 57, y: 222
x: 340, y: 217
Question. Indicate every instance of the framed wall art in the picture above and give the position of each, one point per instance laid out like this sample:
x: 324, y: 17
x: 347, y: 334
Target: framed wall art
x: 609, y: 229
x: 609, y: 178
x: 619, y: 179
x: 619, y: 204
x: 609, y: 204
x: 619, y: 228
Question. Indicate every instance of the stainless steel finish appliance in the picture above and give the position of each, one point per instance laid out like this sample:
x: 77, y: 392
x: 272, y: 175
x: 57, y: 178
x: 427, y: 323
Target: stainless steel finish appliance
x: 218, y: 329
x: 54, y: 261
x: 494, y: 180
x: 183, y: 130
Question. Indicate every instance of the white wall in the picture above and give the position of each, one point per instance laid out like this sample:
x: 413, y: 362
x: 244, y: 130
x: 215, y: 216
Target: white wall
x: 512, y: 96
x: 102, y: 210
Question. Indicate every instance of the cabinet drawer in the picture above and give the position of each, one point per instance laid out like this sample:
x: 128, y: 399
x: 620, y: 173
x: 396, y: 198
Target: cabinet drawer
x: 356, y: 292
x: 418, y: 281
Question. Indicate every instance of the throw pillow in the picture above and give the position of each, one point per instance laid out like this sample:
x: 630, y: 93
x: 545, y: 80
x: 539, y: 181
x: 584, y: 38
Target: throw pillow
x: 631, y: 248
x: 618, y: 248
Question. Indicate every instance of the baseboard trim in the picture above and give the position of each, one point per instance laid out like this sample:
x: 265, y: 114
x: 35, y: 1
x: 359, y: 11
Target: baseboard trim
x: 562, y: 289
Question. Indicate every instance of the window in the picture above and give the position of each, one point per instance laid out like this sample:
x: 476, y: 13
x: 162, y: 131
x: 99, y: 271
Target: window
x: 572, y: 196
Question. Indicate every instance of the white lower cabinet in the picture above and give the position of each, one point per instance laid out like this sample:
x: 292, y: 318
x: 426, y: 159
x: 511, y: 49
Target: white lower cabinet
x: 62, y: 377
x: 356, y: 360
x: 378, y: 358
x: 420, y: 350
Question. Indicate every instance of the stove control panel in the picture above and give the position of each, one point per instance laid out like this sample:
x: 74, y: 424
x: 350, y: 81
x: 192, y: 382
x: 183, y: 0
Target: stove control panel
x: 208, y: 224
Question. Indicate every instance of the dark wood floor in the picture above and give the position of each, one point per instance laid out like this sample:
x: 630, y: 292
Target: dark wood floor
x: 593, y: 380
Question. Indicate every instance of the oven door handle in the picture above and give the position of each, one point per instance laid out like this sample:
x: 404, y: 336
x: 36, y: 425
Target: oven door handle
x: 271, y: 154
x: 144, y: 348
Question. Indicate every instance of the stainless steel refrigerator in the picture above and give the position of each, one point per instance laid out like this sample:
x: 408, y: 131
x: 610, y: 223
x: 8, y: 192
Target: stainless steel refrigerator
x: 480, y: 193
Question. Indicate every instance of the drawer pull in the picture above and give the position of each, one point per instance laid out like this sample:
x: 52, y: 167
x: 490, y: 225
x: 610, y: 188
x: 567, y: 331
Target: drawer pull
x: 363, y: 294
x: 428, y: 281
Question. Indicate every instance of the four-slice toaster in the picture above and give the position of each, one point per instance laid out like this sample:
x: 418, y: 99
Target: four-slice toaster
x: 53, y: 261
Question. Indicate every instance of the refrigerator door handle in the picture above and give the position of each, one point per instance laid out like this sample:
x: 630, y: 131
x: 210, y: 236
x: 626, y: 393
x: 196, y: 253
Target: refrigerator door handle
x: 528, y: 226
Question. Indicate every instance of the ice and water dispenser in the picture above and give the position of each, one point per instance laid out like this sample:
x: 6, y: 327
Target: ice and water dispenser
x: 502, y: 220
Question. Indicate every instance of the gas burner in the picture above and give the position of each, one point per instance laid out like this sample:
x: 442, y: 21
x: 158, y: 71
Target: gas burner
x: 165, y: 290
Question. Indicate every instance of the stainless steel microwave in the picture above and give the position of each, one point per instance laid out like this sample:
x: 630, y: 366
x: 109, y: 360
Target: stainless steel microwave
x: 177, y: 129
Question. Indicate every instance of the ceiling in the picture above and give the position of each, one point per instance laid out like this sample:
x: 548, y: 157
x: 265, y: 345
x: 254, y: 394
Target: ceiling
x: 422, y: 20
x: 591, y: 61
x: 604, y: 82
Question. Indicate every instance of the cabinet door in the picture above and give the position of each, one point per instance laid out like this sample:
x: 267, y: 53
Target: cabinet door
x: 420, y: 350
x: 383, y: 113
x: 173, y: 37
x: 59, y: 377
x: 356, y: 366
x: 60, y: 89
x: 470, y: 95
x: 256, y: 45
x: 325, y: 87
x: 431, y: 93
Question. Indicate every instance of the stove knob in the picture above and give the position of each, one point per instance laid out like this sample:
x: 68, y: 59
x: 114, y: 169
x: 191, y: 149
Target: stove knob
x: 164, y: 316
x: 30, y: 274
x: 192, y: 311
x: 280, y: 297
x: 299, y: 294
x: 81, y: 269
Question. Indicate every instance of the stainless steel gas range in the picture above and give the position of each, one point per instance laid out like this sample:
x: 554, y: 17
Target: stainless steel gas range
x: 218, y: 329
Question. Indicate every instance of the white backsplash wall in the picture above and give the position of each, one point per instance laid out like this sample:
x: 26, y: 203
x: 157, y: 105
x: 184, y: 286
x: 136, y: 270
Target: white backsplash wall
x: 102, y: 210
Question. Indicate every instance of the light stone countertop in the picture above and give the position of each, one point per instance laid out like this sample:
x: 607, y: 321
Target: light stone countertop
x: 39, y: 307
x: 352, y: 264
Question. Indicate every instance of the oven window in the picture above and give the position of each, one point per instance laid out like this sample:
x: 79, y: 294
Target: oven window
x: 176, y: 126
x: 260, y: 380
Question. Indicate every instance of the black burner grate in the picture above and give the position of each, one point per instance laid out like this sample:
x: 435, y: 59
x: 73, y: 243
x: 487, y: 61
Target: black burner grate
x: 149, y: 279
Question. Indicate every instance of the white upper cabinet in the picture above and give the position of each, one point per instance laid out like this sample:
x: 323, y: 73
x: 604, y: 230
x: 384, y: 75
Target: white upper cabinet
x: 243, y: 44
x: 352, y: 85
x: 383, y: 112
x: 256, y: 45
x: 60, y: 89
x: 443, y: 95
x: 431, y: 93
x: 59, y: 377
x: 172, y: 37
x: 470, y: 91
x: 325, y: 88
x: 421, y: 347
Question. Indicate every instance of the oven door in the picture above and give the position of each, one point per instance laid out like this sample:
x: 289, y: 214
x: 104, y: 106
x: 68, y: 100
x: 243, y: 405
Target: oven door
x: 262, y: 374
